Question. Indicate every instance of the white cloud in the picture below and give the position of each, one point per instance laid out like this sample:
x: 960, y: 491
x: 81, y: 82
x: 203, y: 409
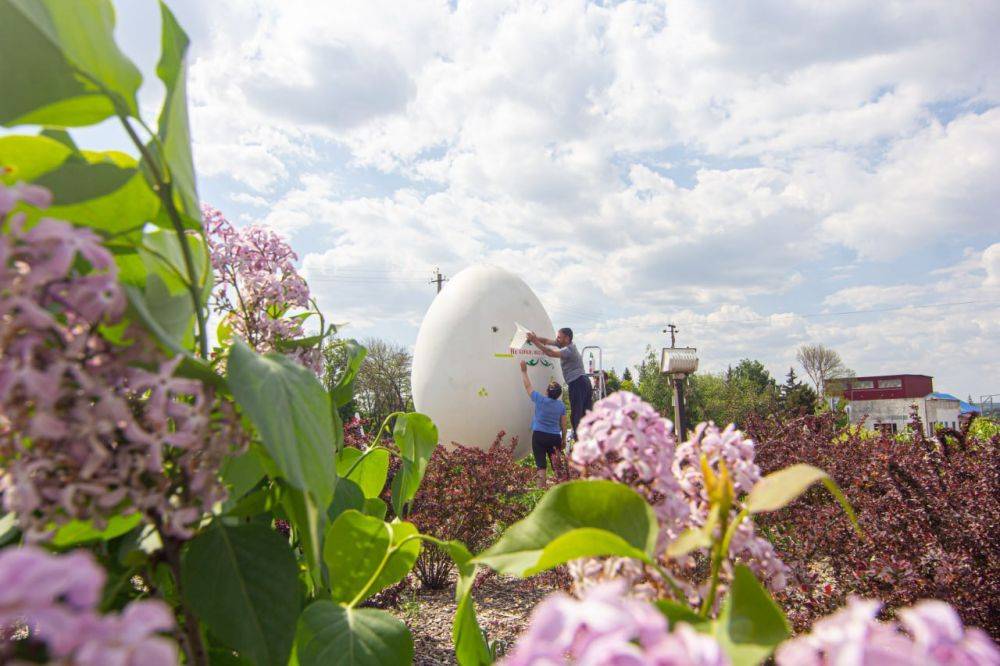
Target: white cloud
x: 636, y: 162
x: 944, y: 180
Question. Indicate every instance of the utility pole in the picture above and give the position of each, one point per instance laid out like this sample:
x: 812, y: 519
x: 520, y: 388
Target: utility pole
x: 680, y: 413
x: 677, y: 379
x: 438, y: 279
x: 672, y: 330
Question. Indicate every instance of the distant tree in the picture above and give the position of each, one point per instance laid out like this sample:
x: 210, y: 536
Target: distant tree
x: 754, y: 374
x: 821, y: 365
x: 654, y: 386
x: 706, y: 398
x: 797, y: 398
x: 732, y: 396
x: 751, y: 390
x: 383, y: 383
x: 627, y: 375
x: 334, y: 364
x: 611, y: 382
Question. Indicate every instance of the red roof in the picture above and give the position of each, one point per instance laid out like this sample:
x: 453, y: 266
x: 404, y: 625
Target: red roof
x: 881, y: 387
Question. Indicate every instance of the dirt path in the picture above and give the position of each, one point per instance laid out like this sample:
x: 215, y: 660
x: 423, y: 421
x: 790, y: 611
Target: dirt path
x: 503, y: 606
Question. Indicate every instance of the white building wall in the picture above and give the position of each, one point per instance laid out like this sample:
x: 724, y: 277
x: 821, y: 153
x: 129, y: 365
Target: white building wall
x: 943, y: 412
x: 932, y: 411
x: 895, y: 411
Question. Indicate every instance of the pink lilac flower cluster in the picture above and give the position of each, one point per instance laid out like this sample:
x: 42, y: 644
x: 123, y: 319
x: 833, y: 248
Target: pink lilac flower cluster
x: 606, y: 627
x: 625, y: 439
x: 90, y: 428
x: 256, y: 285
x: 737, y: 452
x: 929, y: 633
x: 55, y: 599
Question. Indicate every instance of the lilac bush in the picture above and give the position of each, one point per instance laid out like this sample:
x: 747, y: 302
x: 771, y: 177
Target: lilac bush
x: 929, y: 632
x: 53, y: 600
x: 257, y: 285
x: 607, y: 627
x: 91, y: 427
x: 625, y: 439
x: 112, y: 405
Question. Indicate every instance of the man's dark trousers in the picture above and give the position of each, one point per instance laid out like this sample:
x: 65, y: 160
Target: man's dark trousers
x: 581, y: 399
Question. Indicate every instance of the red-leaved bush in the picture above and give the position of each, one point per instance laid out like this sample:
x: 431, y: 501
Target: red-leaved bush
x: 471, y: 495
x: 929, y: 513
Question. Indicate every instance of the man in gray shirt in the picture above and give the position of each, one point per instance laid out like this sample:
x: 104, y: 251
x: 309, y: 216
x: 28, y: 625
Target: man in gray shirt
x: 581, y: 397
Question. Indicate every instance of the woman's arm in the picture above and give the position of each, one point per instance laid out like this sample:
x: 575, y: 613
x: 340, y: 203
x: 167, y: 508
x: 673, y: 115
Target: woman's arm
x: 524, y: 378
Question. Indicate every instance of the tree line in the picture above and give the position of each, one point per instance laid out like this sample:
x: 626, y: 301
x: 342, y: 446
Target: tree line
x: 731, y: 396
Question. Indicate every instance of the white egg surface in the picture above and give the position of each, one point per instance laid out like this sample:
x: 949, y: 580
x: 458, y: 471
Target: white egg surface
x: 461, y: 378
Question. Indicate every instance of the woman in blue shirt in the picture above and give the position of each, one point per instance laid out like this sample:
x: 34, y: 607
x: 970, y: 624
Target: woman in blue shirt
x: 548, y: 427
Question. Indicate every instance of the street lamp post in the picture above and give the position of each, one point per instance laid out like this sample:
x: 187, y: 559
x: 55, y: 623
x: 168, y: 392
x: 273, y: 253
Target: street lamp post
x: 678, y: 363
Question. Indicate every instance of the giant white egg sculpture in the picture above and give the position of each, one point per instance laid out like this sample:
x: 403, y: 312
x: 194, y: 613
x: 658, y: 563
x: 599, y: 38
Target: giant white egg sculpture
x: 461, y: 376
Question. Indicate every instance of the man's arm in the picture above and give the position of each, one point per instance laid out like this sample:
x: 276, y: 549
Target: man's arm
x: 541, y: 344
x: 524, y: 378
x: 532, y: 337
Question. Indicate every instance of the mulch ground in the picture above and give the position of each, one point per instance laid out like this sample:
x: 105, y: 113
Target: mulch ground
x: 503, y: 606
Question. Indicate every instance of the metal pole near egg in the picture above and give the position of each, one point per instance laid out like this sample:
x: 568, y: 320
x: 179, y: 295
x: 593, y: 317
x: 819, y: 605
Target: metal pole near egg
x: 678, y: 363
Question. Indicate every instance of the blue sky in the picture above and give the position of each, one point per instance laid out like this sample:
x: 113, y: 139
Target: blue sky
x: 727, y: 168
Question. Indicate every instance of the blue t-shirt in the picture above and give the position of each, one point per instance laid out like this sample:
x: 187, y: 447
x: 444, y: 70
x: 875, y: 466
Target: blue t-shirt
x: 547, y: 413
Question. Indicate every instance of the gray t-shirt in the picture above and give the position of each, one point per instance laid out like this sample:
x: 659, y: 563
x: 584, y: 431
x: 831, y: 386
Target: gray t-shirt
x: 571, y: 362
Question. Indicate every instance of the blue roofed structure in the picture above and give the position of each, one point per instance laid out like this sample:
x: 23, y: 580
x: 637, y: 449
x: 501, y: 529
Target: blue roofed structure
x: 963, y: 406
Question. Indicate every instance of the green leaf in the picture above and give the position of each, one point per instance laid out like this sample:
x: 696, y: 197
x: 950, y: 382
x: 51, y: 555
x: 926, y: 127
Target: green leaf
x: 172, y: 313
x: 416, y: 436
x: 291, y: 411
x: 676, y: 612
x: 779, y: 489
x: 28, y: 157
x: 401, y: 559
x: 331, y: 635
x: 355, y: 547
x: 365, y: 555
x: 9, y: 531
x: 163, y: 254
x: 242, y: 582
x: 347, y: 496
x: 310, y: 525
x: 77, y: 532
x: 100, y: 190
x: 241, y: 473
x: 77, y: 180
x: 471, y: 648
x: 250, y: 505
x: 750, y: 625
x: 584, y: 542
x: 174, y: 130
x: 343, y: 392
x: 298, y: 343
x: 55, y: 58
x: 370, y: 474
x: 62, y: 136
x: 374, y: 506
x: 121, y: 212
x: 577, y: 519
